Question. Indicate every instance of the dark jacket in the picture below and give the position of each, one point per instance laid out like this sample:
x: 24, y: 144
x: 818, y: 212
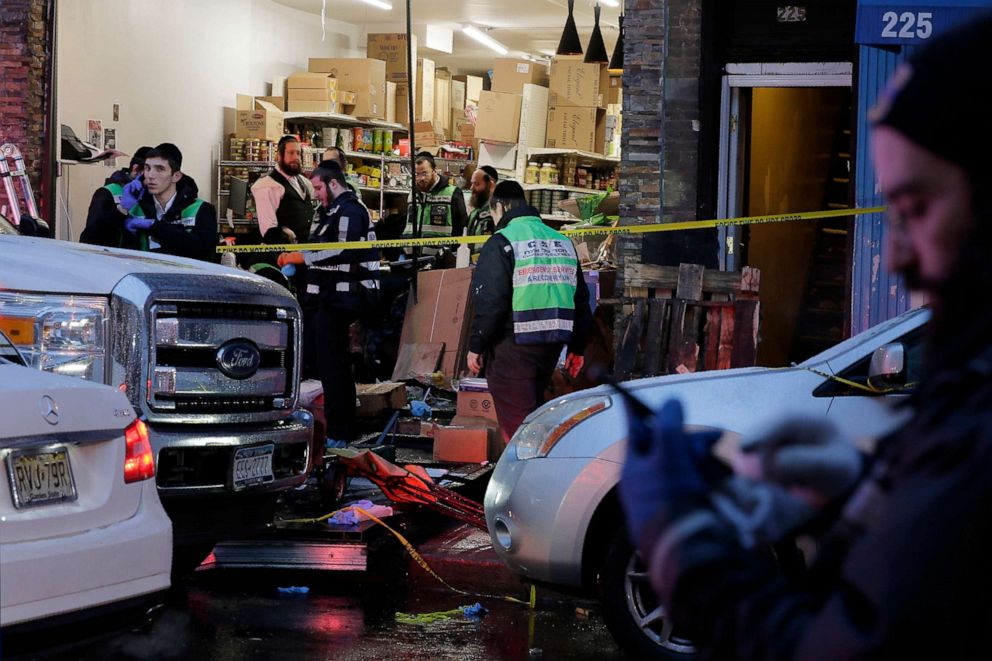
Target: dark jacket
x: 907, y: 558
x: 459, y: 215
x: 104, y: 221
x: 347, y: 279
x: 492, y: 286
x: 197, y: 240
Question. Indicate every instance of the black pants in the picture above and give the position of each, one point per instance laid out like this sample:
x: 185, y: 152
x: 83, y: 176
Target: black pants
x: 518, y: 375
x: 331, y: 349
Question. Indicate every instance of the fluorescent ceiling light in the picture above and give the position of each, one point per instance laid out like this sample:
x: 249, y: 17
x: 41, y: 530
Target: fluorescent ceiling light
x: 381, y: 4
x: 484, y: 39
x: 611, y: 3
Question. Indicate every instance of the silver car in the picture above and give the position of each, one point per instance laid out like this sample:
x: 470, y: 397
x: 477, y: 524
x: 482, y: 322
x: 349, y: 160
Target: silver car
x: 552, y: 507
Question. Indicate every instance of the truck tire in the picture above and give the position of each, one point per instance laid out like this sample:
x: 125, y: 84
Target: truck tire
x: 631, y: 610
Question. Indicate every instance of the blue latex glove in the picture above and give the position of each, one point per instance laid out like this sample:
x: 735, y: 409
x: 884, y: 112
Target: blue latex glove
x: 667, y: 469
x: 133, y: 224
x: 289, y: 270
x: 132, y: 193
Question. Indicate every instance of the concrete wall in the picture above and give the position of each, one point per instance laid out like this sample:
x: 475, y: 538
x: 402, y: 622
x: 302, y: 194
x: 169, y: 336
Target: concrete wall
x: 172, y: 67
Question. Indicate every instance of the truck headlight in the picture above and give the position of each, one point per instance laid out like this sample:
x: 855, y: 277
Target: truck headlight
x: 60, y: 334
x: 538, y: 435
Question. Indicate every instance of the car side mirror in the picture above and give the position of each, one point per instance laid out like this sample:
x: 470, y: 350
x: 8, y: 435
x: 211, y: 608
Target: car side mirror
x: 888, y: 366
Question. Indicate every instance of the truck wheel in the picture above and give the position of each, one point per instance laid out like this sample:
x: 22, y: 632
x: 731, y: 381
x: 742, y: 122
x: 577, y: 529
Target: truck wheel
x: 632, y: 612
x: 333, y: 484
x: 186, y: 558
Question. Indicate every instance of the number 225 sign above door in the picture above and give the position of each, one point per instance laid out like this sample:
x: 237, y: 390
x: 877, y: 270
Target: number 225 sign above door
x: 885, y: 22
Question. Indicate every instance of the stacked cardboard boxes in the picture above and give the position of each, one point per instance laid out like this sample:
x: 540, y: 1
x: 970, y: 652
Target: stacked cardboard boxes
x: 423, y: 95
x: 577, y: 105
x: 473, y: 435
x: 366, y: 77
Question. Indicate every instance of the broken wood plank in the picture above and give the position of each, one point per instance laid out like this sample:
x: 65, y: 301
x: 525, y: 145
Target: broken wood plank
x: 745, y: 349
x: 683, y: 349
x: 711, y: 338
x: 417, y: 359
x: 690, y: 283
x: 653, y: 337
x: 654, y: 276
x: 630, y: 343
x: 726, y: 342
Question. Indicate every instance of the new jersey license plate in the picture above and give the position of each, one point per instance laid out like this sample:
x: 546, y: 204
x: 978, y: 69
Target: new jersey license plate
x: 40, y: 477
x: 253, y: 465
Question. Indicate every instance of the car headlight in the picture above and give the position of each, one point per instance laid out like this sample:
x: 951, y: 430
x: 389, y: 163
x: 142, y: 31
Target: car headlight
x: 537, y: 436
x: 59, y: 333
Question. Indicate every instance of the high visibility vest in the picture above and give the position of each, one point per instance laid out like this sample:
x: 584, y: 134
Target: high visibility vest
x: 545, y: 276
x: 434, y: 211
x: 187, y: 218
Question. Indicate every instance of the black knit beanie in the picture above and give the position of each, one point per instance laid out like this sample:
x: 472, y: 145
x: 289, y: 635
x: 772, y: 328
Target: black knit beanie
x: 938, y: 99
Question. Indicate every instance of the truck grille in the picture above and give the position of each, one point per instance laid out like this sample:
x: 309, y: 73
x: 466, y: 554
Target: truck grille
x: 216, y: 358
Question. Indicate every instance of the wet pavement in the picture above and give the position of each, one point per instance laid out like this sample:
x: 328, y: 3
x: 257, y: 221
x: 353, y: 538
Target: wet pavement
x: 224, y: 614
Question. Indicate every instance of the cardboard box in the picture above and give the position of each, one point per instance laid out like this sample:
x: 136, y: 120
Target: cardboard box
x: 312, y: 94
x: 500, y: 155
x: 462, y: 130
x: 307, y: 105
x: 510, y: 75
x: 309, y: 80
x: 616, y: 84
x: 390, y: 47
x: 377, y: 398
x: 425, y: 134
x: 575, y: 128
x: 499, y: 117
x: 278, y: 101
x: 468, y: 440
x: 442, y: 101
x: 402, y: 104
x: 577, y: 84
x: 476, y: 404
x: 423, y: 96
x: 457, y: 95
x: 390, y: 101
x: 415, y: 427
x: 473, y: 87
x: 442, y: 313
x: 365, y: 77
x: 533, y: 116
x: 258, y: 120
x: 346, y: 98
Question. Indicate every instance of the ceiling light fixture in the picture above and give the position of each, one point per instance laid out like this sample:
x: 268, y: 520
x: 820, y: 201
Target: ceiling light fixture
x: 379, y: 4
x: 616, y: 62
x: 596, y: 52
x: 484, y: 39
x: 570, y: 43
x: 611, y: 3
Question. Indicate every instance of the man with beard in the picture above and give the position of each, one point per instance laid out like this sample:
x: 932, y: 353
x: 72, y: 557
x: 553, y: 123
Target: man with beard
x: 284, y: 198
x: 112, y: 202
x: 482, y: 183
x: 904, y: 536
x: 169, y: 216
x: 341, y: 285
x: 440, y: 204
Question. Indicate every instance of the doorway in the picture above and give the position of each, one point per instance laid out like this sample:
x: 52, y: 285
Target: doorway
x: 785, y: 148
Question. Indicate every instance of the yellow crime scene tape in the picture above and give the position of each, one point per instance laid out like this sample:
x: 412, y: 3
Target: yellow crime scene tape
x: 434, y: 242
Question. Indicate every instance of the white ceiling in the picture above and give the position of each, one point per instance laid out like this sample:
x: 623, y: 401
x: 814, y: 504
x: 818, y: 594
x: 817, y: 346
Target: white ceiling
x: 523, y: 26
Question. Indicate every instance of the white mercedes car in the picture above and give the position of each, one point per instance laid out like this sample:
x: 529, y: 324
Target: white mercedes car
x: 81, y: 525
x: 551, y: 505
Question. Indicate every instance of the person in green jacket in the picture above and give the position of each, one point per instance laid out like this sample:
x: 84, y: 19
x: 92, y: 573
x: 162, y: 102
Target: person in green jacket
x: 530, y: 301
x: 440, y: 204
x: 104, y: 220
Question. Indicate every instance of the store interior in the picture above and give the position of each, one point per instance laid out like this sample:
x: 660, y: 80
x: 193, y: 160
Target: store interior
x: 124, y: 76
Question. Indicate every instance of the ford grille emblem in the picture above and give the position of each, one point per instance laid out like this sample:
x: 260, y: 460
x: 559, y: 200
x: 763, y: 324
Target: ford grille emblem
x: 49, y: 410
x: 238, y: 359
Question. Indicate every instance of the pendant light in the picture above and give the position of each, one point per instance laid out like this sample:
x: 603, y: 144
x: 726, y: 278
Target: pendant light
x: 596, y: 52
x: 616, y: 62
x: 570, y: 44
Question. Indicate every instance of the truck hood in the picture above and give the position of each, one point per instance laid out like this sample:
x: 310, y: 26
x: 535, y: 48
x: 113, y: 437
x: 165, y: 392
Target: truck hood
x: 52, y: 266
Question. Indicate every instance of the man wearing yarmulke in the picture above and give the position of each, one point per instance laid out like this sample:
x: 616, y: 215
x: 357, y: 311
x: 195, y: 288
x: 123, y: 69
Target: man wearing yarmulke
x: 902, y: 567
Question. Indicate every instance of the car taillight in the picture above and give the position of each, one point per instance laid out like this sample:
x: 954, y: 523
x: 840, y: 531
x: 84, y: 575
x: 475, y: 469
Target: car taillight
x: 139, y: 462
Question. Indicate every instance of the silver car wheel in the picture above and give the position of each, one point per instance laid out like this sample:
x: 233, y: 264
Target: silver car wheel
x: 648, y: 612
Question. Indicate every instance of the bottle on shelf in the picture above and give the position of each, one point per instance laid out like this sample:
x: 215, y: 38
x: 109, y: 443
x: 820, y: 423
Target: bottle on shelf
x: 532, y: 173
x: 463, y: 255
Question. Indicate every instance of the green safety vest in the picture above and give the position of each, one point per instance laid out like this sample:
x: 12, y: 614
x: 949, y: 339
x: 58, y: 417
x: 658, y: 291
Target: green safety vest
x: 187, y: 218
x: 435, y: 213
x: 116, y: 190
x: 545, y: 276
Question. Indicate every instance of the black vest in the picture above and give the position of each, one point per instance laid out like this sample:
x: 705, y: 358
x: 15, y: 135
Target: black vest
x: 294, y: 212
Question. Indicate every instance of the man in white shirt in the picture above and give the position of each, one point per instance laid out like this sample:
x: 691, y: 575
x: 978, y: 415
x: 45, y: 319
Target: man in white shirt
x: 284, y: 198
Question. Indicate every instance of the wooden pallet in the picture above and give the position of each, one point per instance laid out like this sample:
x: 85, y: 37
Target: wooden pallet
x: 687, y: 319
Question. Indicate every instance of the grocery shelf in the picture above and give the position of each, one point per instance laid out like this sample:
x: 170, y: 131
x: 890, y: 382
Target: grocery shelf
x: 551, y: 151
x: 247, y: 164
x: 338, y: 118
x: 560, y: 187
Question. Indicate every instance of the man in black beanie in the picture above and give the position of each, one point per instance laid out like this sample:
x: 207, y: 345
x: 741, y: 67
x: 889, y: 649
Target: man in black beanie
x: 904, y: 536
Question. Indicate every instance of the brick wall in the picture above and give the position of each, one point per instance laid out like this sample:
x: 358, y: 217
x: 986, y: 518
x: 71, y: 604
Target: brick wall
x: 24, y: 71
